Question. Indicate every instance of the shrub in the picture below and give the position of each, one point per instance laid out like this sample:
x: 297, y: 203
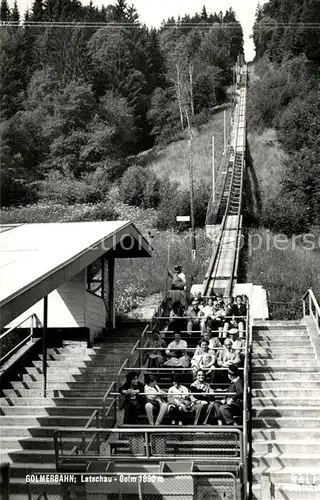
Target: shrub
x: 299, y: 124
x: 278, y: 86
x: 283, y: 215
x: 55, y: 212
x: 140, y: 187
x: 177, y: 202
x: 91, y: 188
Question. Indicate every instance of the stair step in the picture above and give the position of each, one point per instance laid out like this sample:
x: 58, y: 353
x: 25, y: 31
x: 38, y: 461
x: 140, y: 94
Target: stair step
x: 278, y: 460
x: 289, y: 491
x: 275, y: 333
x: 99, y: 361
x: 285, y: 393
x: 24, y: 431
x: 51, y: 393
x: 20, y: 469
x: 35, y: 443
x: 286, y: 474
x: 286, y: 433
x: 277, y: 375
x: 283, y: 401
x: 286, y: 411
x: 271, y: 422
x: 291, y: 367
x: 280, y: 345
x: 36, y: 456
x: 62, y: 385
x: 49, y: 411
x: 309, y: 446
x: 19, y: 489
x: 283, y: 384
x: 45, y: 402
x: 69, y: 377
x: 278, y: 356
x: 33, y: 421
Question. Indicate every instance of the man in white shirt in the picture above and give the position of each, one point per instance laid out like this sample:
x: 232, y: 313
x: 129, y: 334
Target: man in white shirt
x: 179, y: 398
x: 177, y: 344
x: 179, y: 280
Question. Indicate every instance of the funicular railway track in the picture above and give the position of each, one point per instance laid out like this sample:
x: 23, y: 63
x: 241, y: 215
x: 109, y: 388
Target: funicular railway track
x: 223, y: 266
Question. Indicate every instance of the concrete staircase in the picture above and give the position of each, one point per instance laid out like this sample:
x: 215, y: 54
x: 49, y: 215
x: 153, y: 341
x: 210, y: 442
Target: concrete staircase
x: 286, y: 412
x: 78, y: 378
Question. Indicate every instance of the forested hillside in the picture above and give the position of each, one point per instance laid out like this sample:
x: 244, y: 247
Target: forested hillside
x: 286, y: 97
x: 77, y: 101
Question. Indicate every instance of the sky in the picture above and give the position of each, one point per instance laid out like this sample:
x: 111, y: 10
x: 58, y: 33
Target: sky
x: 152, y: 12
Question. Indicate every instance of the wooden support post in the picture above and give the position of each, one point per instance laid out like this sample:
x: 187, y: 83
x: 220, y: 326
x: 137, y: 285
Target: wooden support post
x: 44, y: 345
x: 111, y: 305
x: 224, y: 132
x: 213, y: 174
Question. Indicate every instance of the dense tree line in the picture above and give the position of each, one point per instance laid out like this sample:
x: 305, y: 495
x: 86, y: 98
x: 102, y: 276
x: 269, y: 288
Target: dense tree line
x: 286, y: 97
x: 77, y: 101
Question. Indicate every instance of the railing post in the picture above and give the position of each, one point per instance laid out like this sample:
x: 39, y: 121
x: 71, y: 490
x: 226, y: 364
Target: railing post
x: 147, y: 444
x: 115, y: 403
x: 31, y: 327
x: 310, y: 305
x: 44, y: 345
x: 5, y: 473
x: 303, y: 308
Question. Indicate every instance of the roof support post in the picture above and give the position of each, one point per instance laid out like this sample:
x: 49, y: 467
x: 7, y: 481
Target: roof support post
x: 111, y: 306
x: 44, y: 344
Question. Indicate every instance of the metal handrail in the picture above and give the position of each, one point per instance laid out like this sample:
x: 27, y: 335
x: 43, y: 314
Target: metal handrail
x: 179, y: 348
x: 217, y: 180
x: 147, y: 431
x: 24, y: 341
x: 312, y: 299
x: 245, y: 416
x: 222, y: 392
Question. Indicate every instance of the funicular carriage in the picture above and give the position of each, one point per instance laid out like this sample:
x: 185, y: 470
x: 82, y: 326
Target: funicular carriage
x: 165, y: 461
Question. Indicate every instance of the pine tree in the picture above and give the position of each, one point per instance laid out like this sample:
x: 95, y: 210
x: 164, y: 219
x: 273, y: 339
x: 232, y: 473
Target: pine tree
x: 204, y: 15
x: 4, y: 11
x: 120, y: 11
x: 15, y: 15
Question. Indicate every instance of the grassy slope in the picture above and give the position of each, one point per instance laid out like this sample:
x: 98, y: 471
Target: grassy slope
x: 286, y: 274
x: 267, y: 156
x: 172, y: 161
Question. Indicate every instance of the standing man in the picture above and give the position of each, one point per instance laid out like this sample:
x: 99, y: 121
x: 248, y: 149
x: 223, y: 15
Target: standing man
x: 178, y: 279
x: 178, y: 286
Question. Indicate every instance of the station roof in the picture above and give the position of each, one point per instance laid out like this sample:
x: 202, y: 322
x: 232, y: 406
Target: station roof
x: 35, y: 259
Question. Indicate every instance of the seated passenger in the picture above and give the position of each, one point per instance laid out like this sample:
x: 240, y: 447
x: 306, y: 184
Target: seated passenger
x: 207, y: 312
x: 238, y: 312
x: 177, y: 355
x: 179, y: 398
x: 200, y: 397
x: 218, y: 318
x: 227, y: 356
x: 238, y: 344
x: 200, y: 299
x: 156, y: 400
x: 133, y: 404
x: 193, y: 314
x: 155, y: 358
x: 214, y: 342
x: 230, y: 407
x: 204, y: 360
x: 176, y: 321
